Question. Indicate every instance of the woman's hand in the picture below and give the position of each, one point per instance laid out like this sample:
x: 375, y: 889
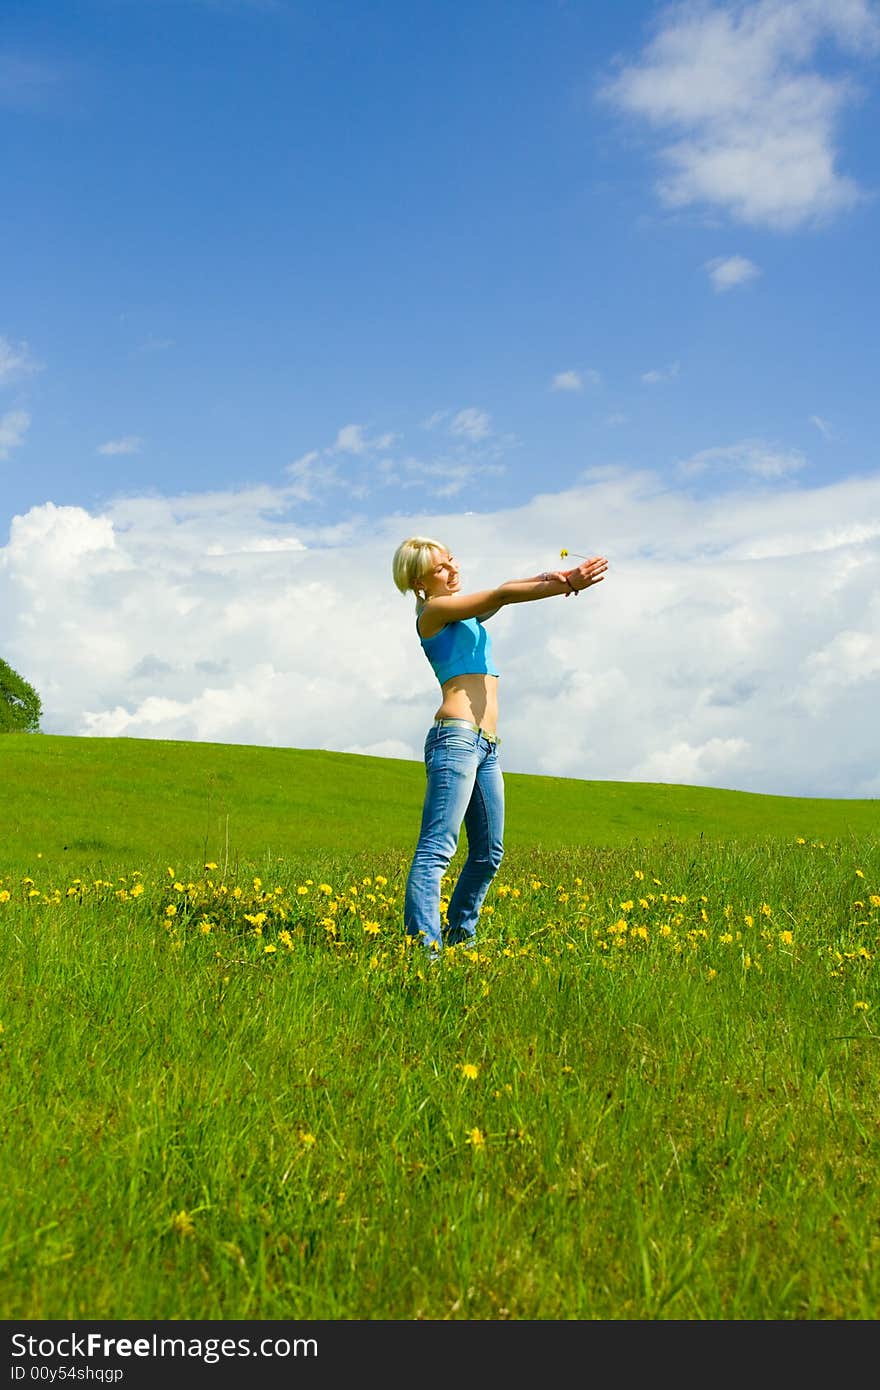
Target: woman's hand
x: 589, y: 572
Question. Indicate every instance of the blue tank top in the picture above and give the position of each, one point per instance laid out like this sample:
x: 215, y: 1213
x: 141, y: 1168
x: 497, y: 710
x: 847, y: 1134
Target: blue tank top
x: 459, y: 649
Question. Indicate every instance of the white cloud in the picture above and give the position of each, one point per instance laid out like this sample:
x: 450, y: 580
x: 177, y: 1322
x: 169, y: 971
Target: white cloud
x: 15, y: 360
x: 574, y: 380
x: 350, y: 440
x: 312, y: 475
x: 567, y: 381
x: 751, y: 456
x: 848, y: 659
x: 738, y: 646
x: 50, y: 545
x: 13, y: 428
x: 658, y: 374
x: 130, y: 444
x: 472, y: 424
x: 822, y: 426
x: 727, y: 271
x: 710, y: 763
x: 446, y: 476
x: 749, y: 120
x: 360, y: 465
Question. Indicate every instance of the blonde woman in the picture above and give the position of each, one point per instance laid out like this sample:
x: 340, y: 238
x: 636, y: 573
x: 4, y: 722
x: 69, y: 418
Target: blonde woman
x: 464, y: 780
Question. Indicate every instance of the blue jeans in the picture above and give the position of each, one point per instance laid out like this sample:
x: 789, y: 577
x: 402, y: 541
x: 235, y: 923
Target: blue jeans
x: 464, y: 785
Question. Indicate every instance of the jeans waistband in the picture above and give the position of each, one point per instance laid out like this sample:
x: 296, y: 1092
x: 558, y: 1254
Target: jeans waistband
x: 465, y: 723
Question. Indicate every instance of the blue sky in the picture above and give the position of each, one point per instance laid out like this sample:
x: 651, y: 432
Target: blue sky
x: 284, y: 283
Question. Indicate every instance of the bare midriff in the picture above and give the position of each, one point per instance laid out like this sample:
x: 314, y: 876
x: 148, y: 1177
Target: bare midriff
x: 473, y: 697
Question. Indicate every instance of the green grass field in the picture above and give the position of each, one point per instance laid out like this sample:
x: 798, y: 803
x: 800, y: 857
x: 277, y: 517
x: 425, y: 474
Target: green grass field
x: 98, y: 802
x: 231, y: 1091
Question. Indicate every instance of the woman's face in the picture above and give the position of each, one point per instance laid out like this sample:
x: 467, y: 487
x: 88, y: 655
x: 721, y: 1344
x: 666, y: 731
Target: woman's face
x: 442, y: 577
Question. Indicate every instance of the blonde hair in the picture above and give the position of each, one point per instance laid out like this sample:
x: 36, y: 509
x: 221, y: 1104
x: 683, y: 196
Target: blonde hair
x: 413, y: 559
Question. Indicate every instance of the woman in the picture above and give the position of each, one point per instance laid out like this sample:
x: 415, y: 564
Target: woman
x: 461, y: 750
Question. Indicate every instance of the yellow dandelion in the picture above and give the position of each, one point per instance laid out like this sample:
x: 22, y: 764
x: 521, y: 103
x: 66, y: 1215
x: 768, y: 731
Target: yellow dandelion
x: 4, y: 895
x: 371, y: 928
x: 307, y: 1139
x: 862, y: 1005
x: 183, y: 1224
x: 766, y: 909
x: 171, y: 910
x: 800, y: 840
x: 860, y: 873
x: 325, y: 889
x: 301, y: 890
x: 786, y: 937
x: 270, y: 949
x: 211, y: 866
x: 476, y: 1138
x: 171, y: 874
x: 469, y: 1071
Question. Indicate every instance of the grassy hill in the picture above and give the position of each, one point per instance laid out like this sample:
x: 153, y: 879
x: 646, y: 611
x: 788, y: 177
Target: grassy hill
x: 72, y: 801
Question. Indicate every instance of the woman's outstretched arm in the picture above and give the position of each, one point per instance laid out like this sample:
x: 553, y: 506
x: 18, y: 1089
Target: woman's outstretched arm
x: 449, y: 608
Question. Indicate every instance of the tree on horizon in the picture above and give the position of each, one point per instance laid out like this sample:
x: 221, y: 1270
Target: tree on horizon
x: 20, y: 705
